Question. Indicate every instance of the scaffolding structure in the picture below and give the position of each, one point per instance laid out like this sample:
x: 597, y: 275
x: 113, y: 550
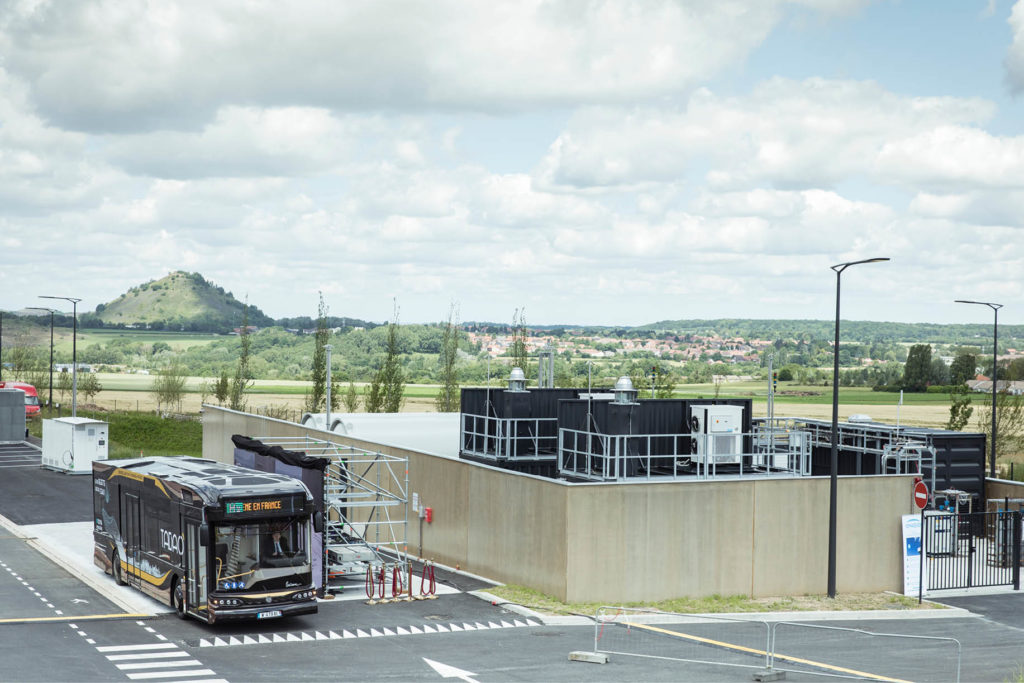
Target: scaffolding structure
x: 365, y: 503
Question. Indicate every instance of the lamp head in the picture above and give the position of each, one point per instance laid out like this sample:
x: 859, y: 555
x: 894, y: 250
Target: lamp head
x: 840, y: 267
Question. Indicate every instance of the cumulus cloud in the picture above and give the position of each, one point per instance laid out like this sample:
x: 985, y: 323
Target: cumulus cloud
x: 586, y: 159
x: 791, y: 134
x: 120, y: 65
x: 241, y: 142
x: 1014, y: 60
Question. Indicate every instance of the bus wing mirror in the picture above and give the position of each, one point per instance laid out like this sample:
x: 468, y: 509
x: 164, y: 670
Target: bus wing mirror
x: 318, y: 522
x: 204, y: 535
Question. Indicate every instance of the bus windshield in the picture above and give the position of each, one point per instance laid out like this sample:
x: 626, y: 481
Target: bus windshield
x: 262, y: 555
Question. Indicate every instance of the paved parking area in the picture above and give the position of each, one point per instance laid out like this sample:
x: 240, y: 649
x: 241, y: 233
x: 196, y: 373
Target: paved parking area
x: 19, y: 455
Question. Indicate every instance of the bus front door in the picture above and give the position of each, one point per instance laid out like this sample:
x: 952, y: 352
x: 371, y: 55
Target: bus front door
x: 196, y: 569
x: 132, y: 539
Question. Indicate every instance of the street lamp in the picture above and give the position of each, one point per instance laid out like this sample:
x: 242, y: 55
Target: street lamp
x: 995, y: 372
x: 37, y: 308
x: 74, y: 348
x: 834, y: 471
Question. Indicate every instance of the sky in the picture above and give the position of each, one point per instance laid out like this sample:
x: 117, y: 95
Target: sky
x: 587, y: 161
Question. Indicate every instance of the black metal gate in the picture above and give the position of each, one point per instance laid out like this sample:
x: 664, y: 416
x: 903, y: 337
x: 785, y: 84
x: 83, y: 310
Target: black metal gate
x: 971, y: 550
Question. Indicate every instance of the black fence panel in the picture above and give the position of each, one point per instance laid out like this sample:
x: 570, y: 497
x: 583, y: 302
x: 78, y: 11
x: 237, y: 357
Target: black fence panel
x: 971, y: 550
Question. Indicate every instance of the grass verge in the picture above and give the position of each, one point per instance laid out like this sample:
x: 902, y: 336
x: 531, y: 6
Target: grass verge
x: 134, y: 434
x: 717, y: 604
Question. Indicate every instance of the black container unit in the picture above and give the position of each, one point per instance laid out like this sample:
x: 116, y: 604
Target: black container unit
x: 645, y: 417
x: 602, y: 417
x: 532, y: 445
x: 959, y: 459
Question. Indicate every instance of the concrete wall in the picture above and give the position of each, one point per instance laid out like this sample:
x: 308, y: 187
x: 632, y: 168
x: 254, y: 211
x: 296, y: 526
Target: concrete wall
x: 637, y: 541
x: 998, y: 489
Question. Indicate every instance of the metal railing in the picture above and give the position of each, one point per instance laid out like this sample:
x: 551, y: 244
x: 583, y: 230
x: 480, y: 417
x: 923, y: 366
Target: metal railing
x: 840, y: 652
x: 509, y: 439
x: 694, y: 638
x: 888, y: 449
x: 594, y: 456
x: 798, y: 647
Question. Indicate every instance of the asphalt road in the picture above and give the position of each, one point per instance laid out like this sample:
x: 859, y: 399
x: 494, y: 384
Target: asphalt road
x: 55, y: 628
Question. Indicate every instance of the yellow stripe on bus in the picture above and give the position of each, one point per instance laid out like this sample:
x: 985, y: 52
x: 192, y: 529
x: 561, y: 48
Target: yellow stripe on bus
x: 155, y: 580
x: 138, y: 476
x: 750, y: 650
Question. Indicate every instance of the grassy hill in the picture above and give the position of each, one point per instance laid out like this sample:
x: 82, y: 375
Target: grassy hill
x: 180, y: 301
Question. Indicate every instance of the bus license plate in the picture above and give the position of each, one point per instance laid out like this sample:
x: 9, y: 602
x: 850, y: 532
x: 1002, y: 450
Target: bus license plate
x: 268, y: 615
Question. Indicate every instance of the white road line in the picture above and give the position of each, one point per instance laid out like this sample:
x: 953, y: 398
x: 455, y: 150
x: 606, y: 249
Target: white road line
x: 130, y: 648
x: 170, y: 674
x: 148, y: 655
x: 157, y: 665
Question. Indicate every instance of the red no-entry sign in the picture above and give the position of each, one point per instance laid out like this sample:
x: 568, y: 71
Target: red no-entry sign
x: 920, y: 495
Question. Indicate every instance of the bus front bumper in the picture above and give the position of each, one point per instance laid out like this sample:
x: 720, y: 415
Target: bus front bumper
x: 278, y: 611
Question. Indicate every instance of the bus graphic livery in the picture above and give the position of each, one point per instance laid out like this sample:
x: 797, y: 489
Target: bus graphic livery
x: 214, y: 541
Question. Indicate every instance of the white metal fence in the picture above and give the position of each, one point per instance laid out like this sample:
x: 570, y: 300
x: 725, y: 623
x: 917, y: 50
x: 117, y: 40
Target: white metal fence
x: 805, y: 648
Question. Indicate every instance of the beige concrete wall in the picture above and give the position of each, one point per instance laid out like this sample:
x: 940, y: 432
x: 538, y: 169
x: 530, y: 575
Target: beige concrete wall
x: 757, y: 537
x: 997, y: 489
x: 638, y: 541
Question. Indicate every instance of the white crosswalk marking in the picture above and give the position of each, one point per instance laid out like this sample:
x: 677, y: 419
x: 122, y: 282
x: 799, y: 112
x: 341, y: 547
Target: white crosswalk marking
x: 147, y: 646
x: 148, y: 655
x: 156, y: 665
x: 170, y: 674
x: 157, y: 662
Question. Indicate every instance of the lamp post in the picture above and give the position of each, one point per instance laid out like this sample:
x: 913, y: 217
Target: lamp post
x: 995, y: 372
x: 49, y: 401
x: 834, y: 466
x: 74, y: 349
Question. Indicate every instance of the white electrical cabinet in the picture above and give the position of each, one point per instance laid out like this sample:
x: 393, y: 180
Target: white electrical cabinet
x: 716, y: 434
x: 71, y: 444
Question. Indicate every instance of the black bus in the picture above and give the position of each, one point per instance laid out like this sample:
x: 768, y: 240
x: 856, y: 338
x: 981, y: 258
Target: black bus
x: 214, y: 541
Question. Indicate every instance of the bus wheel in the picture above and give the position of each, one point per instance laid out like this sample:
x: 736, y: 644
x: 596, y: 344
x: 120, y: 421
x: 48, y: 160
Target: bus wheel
x: 115, y: 564
x: 178, y: 599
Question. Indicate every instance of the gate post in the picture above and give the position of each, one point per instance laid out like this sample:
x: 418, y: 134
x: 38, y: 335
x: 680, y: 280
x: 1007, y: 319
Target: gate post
x: 1015, y: 553
x: 924, y: 552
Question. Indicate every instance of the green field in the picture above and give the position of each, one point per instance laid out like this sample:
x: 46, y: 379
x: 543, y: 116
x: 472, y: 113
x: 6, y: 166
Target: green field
x: 137, y: 434
x: 794, y: 393
x: 178, y: 341
x: 787, y: 393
